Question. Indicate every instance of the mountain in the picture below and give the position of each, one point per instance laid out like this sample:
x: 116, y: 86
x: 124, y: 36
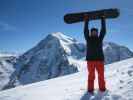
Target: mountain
x: 48, y: 59
x: 119, y: 81
x: 7, y: 54
x: 114, y: 52
x: 57, y: 55
x: 6, y: 67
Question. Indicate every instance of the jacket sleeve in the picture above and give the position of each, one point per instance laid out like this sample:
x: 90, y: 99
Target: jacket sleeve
x: 103, y: 29
x: 86, y: 30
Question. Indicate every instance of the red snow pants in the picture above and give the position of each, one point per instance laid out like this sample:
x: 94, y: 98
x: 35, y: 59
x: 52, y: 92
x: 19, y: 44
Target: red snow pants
x: 99, y: 66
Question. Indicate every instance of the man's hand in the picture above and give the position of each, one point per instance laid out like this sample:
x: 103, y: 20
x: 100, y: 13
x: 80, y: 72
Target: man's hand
x: 86, y: 18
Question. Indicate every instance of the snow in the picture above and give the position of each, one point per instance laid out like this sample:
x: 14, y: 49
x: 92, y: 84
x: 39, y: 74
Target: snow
x: 6, y: 68
x: 3, y: 54
x: 114, y: 52
x: 119, y: 81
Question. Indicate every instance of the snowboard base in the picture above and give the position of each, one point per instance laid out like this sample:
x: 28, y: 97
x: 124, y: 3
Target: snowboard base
x: 93, y: 15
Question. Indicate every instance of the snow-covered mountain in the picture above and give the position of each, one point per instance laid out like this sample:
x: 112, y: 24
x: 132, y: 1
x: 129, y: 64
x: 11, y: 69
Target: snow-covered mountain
x: 7, y: 54
x: 114, y: 52
x: 57, y: 55
x: 49, y: 59
x: 6, y: 67
x: 119, y: 81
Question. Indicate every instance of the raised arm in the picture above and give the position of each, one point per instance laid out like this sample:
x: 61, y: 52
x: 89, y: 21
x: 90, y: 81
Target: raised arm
x: 103, y: 28
x: 86, y: 30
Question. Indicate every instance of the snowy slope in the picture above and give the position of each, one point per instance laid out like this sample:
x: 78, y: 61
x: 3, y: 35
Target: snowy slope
x: 57, y: 55
x: 119, y: 80
x: 6, y: 67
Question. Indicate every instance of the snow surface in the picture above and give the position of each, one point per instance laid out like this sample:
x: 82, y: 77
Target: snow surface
x: 119, y: 81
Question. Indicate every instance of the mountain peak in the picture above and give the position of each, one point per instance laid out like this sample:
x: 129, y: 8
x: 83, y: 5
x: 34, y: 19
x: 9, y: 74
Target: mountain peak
x: 61, y: 36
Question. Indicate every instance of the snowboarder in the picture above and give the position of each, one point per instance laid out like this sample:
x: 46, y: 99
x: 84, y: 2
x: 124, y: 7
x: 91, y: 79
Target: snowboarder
x: 94, y: 55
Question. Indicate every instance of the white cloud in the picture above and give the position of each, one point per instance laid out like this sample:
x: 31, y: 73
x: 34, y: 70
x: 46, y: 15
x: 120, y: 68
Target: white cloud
x: 6, y: 27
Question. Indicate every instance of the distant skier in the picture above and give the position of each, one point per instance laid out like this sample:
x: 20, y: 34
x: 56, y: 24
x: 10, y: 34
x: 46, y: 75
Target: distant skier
x: 95, y: 56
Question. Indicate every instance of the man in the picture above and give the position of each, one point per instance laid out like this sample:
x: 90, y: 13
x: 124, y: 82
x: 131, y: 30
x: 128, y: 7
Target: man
x: 95, y: 56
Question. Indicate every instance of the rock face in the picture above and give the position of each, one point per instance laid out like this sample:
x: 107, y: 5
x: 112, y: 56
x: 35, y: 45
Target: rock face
x: 50, y: 59
x: 6, y: 68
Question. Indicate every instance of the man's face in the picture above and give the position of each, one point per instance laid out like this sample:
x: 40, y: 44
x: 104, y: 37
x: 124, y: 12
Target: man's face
x: 94, y: 33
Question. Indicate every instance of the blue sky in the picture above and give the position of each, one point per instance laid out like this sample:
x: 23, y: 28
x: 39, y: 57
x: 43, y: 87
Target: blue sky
x: 23, y: 23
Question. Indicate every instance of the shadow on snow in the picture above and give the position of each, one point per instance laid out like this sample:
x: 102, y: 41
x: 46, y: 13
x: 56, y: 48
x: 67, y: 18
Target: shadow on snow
x: 99, y: 96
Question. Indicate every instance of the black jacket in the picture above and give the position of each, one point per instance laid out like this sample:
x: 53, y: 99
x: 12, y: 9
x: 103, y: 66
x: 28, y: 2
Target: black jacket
x: 95, y: 44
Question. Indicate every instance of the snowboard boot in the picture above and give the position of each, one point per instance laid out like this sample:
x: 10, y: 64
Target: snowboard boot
x: 91, y: 92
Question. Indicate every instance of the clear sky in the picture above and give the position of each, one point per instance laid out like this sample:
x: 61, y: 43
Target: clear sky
x: 23, y: 23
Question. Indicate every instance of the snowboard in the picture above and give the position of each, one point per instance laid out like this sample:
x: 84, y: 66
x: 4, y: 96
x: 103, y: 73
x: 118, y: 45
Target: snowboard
x: 93, y: 15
